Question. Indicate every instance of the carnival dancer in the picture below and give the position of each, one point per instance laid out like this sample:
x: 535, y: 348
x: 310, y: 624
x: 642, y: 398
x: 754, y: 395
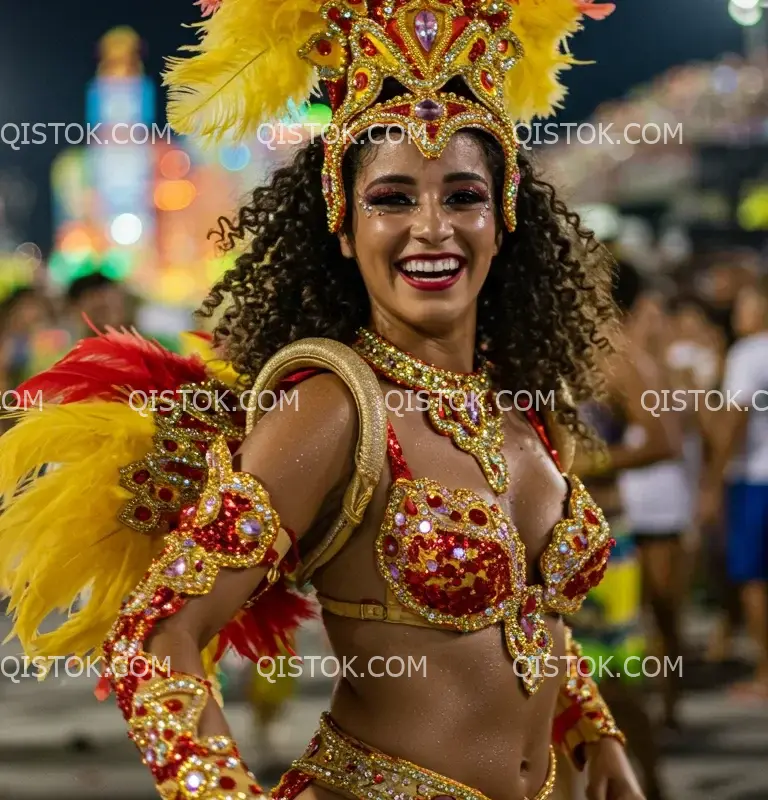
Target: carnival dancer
x: 415, y: 259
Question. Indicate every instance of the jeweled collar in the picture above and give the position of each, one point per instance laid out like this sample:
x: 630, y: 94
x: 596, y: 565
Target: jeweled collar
x: 407, y: 370
x: 463, y: 406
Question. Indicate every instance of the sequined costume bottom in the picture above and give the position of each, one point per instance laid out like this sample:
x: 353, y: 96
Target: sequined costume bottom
x: 338, y: 761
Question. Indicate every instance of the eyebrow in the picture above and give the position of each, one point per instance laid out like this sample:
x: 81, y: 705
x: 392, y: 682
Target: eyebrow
x: 408, y: 180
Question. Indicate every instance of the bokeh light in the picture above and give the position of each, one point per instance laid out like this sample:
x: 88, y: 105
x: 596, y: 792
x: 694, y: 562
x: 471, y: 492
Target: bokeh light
x: 235, y: 157
x: 745, y: 16
x: 126, y: 229
x: 175, y: 165
x: 174, y: 195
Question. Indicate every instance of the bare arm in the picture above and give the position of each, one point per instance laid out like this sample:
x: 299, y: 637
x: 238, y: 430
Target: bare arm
x: 295, y: 463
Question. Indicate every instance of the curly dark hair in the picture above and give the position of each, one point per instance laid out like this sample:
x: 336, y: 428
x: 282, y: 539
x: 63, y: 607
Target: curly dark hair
x: 543, y: 310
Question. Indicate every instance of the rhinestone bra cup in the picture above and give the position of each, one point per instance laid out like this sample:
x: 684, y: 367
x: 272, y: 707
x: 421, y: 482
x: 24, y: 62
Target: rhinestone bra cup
x: 460, y: 563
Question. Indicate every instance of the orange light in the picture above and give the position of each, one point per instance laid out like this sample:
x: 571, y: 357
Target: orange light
x: 174, y: 165
x: 174, y: 195
x: 76, y: 240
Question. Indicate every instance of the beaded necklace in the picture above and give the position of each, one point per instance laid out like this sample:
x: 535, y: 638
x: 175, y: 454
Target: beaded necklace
x: 460, y: 405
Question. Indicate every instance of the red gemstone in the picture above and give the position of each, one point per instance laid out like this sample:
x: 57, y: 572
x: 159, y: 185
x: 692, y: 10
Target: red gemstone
x: 403, y: 110
x: 502, y: 46
x: 199, y: 566
x: 143, y: 514
x: 434, y: 501
x: 174, y: 705
x: 314, y: 746
x: 361, y: 81
x: 226, y: 782
x: 378, y: 778
x: 487, y: 80
x: 578, y: 543
x: 591, y: 517
x: 455, y: 108
x: 168, y: 734
x: 141, y: 711
x: 456, y: 515
x: 142, y: 476
x: 344, y: 23
x: 252, y: 787
x: 432, y: 130
x: 410, y: 507
x: 165, y: 494
x: 367, y: 46
x: 478, y: 49
x: 351, y: 767
x: 324, y: 47
x: 477, y: 516
x: 542, y: 641
x: 530, y: 605
x: 170, y: 445
x: 391, y: 546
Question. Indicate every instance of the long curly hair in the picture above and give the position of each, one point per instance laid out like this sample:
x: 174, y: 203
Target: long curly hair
x: 543, y: 313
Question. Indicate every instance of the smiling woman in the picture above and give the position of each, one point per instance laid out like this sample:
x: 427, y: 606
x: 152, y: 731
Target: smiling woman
x: 453, y: 534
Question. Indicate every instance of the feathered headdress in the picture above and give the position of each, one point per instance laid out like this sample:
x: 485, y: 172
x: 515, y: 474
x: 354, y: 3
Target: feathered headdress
x: 256, y: 59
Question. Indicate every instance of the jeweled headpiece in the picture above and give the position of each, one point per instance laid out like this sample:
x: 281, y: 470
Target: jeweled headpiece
x: 257, y: 57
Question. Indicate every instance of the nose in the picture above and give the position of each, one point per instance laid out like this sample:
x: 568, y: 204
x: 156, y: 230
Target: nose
x: 432, y: 224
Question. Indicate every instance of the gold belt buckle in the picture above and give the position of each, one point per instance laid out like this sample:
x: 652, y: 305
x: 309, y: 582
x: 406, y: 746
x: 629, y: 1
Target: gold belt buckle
x: 373, y: 611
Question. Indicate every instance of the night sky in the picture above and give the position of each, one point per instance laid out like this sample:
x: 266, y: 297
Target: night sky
x: 48, y: 53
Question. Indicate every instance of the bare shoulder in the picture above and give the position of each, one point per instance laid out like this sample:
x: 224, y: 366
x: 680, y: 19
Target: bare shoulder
x: 302, y: 449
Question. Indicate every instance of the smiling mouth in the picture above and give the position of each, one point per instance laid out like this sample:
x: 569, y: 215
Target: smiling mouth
x: 431, y: 270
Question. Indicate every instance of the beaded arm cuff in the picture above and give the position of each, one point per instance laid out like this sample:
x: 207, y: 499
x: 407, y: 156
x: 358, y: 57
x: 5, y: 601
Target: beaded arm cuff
x: 581, y: 716
x: 232, y: 527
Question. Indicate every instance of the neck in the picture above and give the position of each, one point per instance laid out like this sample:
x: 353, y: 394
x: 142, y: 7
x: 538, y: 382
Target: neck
x: 452, y: 348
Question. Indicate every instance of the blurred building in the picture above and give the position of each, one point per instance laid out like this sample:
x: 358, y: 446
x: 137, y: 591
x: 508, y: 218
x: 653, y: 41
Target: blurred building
x: 142, y: 209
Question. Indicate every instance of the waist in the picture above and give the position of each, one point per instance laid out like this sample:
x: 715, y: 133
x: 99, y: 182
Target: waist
x: 343, y: 762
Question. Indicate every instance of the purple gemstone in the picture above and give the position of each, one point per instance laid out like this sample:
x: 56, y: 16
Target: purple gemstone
x: 399, y: 519
x: 458, y: 552
x: 149, y: 756
x: 327, y: 184
x: 442, y: 510
x: 179, y: 567
x: 394, y: 571
x: 194, y: 781
x: 472, y: 409
x: 426, y: 29
x: 425, y: 526
x: 250, y: 527
x: 432, y: 565
x: 525, y: 624
x: 189, y: 543
x: 210, y: 504
x: 429, y: 110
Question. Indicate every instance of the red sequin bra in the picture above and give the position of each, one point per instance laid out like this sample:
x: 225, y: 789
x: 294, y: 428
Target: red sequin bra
x: 454, y: 561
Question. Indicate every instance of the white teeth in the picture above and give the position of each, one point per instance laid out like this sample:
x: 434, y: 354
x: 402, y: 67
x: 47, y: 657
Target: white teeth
x: 441, y: 265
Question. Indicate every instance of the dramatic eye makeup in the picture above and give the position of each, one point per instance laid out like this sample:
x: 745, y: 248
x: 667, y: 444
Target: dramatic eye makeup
x: 462, y: 190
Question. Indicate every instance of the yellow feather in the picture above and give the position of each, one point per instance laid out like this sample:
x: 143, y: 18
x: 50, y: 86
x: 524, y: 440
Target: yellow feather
x: 532, y: 87
x: 62, y: 536
x: 245, y: 70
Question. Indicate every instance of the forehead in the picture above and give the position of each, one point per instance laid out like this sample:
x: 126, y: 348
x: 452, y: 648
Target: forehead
x: 395, y: 153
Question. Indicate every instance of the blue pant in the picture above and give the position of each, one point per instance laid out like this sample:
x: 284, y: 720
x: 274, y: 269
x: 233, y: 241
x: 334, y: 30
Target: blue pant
x: 747, y: 510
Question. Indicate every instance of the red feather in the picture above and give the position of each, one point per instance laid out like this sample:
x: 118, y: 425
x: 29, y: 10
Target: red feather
x: 111, y: 365
x: 267, y: 627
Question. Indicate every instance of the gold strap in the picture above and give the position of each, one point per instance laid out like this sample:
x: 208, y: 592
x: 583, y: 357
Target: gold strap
x: 370, y: 456
x: 376, y: 612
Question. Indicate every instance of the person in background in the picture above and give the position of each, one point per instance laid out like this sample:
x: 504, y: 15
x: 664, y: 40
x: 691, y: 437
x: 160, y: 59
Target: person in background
x: 658, y: 499
x: 740, y: 467
x: 609, y: 624
x: 97, y: 302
